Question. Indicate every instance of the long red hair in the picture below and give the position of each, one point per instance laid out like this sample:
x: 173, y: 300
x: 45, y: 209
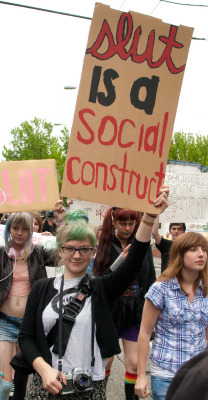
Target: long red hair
x: 103, y: 254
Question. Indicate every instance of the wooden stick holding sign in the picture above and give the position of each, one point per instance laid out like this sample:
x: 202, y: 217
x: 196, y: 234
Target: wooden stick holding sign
x: 28, y: 185
x: 126, y: 106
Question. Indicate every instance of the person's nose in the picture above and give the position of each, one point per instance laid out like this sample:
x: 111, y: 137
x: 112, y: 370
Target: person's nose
x: 76, y: 254
x: 200, y: 252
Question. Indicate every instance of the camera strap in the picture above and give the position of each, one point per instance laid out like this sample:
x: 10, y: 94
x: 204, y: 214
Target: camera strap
x: 63, y: 327
x: 71, y: 310
x: 60, y: 332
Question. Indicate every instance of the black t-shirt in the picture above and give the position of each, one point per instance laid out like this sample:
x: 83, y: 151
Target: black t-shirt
x: 49, y: 228
x: 164, y: 248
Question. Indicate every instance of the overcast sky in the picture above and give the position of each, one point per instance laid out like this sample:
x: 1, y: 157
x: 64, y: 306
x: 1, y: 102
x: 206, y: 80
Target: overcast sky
x: 43, y: 52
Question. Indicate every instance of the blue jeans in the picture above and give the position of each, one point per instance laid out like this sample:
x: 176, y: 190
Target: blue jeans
x: 9, y: 331
x: 159, y: 387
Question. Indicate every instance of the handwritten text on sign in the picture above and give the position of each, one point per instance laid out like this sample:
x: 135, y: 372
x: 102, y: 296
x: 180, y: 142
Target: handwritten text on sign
x: 188, y: 198
x: 28, y: 185
x: 124, y: 115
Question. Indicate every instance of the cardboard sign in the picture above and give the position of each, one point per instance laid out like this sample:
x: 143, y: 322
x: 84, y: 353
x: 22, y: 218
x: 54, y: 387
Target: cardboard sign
x: 197, y: 227
x: 28, y: 185
x: 188, y: 198
x: 125, y: 111
x: 95, y: 212
x: 49, y: 242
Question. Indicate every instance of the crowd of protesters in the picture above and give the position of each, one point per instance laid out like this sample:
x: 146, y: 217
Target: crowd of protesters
x: 67, y: 327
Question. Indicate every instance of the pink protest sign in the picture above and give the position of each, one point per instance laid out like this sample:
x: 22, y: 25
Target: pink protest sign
x: 28, y: 185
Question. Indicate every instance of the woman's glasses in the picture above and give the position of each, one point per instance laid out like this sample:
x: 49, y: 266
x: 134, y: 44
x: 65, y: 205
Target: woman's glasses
x: 83, y: 251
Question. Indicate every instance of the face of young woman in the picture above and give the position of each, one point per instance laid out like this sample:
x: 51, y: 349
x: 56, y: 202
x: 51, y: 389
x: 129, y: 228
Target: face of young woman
x: 35, y: 225
x: 195, y: 258
x: 125, y: 229
x: 20, y: 234
x: 75, y: 264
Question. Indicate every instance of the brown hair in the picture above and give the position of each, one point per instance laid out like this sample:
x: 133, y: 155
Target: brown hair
x: 176, y: 260
x: 36, y: 215
x: 182, y: 224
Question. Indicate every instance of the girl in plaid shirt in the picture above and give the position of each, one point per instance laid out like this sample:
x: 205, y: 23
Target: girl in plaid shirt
x: 176, y: 306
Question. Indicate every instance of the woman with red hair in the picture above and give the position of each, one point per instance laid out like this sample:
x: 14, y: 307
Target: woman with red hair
x: 118, y: 229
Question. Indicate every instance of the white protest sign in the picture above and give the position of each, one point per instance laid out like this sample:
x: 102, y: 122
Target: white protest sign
x: 188, y: 198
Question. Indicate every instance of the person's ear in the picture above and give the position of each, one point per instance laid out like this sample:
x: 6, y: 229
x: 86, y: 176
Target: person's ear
x: 60, y: 252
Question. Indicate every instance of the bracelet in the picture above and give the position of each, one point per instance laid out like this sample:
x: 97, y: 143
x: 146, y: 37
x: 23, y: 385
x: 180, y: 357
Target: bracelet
x: 147, y: 222
x: 152, y: 215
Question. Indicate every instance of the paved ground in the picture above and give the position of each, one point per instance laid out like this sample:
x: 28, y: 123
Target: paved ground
x: 115, y: 387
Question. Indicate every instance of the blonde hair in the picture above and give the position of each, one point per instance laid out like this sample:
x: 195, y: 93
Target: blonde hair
x: 20, y: 218
x: 180, y: 246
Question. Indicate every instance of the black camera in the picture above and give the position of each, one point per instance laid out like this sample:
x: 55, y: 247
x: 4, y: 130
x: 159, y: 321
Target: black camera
x: 78, y: 381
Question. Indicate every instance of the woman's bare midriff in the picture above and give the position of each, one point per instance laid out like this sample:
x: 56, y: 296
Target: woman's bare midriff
x: 14, y: 306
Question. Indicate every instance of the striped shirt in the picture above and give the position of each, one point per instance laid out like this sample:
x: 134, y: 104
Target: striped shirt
x: 180, y: 327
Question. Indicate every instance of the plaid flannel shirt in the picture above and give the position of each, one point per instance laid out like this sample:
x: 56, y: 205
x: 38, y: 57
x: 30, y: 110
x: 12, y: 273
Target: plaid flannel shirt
x: 180, y: 328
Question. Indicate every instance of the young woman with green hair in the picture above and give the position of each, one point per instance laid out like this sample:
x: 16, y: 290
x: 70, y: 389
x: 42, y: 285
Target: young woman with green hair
x: 86, y: 349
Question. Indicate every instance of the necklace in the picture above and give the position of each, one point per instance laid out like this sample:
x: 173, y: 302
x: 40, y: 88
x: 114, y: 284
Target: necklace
x: 120, y: 238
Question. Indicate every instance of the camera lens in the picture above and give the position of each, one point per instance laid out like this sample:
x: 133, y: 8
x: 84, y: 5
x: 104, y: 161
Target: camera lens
x: 81, y: 382
x: 84, y: 381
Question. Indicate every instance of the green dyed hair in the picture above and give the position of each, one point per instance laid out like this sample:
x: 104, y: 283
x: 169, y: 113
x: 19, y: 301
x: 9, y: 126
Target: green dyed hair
x: 76, y: 215
x: 75, y: 231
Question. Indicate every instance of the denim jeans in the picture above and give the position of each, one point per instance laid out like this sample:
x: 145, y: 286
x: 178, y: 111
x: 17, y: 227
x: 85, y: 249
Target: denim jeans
x: 159, y: 387
x: 9, y: 331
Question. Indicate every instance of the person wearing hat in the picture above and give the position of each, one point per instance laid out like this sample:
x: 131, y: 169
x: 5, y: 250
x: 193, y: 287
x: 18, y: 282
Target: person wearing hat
x: 50, y: 225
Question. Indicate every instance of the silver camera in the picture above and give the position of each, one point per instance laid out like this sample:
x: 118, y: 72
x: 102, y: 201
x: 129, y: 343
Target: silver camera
x: 78, y: 381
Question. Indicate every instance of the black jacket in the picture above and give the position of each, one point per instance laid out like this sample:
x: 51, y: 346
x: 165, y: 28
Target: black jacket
x: 127, y: 309
x: 105, y: 289
x: 146, y: 276
x: 49, y: 228
x: 38, y: 259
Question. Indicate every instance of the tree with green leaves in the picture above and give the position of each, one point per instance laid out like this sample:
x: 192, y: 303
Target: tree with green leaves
x: 189, y: 147
x: 34, y: 141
